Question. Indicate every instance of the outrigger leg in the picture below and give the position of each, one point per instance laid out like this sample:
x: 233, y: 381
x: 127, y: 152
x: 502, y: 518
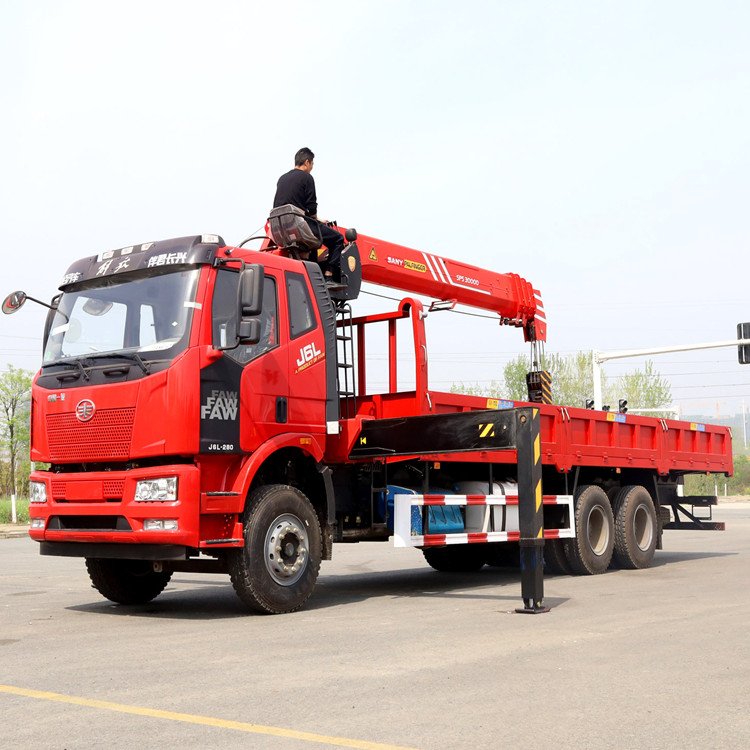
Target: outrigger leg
x: 530, y: 512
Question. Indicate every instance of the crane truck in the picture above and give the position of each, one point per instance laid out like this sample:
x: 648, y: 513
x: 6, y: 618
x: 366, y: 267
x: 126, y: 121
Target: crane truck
x: 202, y: 407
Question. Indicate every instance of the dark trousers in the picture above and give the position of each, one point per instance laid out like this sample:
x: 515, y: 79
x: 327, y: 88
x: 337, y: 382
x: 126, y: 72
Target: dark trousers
x: 335, y: 244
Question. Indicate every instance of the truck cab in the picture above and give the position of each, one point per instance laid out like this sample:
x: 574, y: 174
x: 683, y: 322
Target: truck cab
x: 165, y: 365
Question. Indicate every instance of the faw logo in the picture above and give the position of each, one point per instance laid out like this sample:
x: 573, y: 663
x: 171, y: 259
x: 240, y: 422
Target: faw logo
x: 85, y: 410
x: 220, y: 405
x: 308, y: 355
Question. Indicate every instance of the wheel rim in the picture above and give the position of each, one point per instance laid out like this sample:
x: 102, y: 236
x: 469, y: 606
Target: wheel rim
x: 287, y: 550
x: 598, y: 531
x: 643, y: 529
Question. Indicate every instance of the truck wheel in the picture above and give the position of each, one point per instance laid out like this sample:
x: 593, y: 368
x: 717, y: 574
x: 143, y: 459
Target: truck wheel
x: 635, y: 528
x: 126, y: 581
x: 461, y: 558
x: 555, y: 561
x: 591, y: 550
x: 276, y: 570
x: 502, y: 555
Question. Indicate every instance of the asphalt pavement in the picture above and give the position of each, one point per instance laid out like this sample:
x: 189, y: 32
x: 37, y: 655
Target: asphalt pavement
x: 388, y: 653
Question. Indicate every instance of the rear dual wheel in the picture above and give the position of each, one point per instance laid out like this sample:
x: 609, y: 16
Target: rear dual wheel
x: 636, y: 528
x: 590, y: 552
x: 555, y: 561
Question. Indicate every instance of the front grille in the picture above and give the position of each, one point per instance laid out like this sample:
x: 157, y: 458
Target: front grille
x: 106, y: 437
x: 113, y: 489
x: 69, y: 490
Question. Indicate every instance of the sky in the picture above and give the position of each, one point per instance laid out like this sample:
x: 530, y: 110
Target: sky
x: 599, y: 149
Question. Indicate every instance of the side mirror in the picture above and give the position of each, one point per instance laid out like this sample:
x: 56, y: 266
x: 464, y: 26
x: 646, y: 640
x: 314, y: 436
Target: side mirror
x: 249, y: 331
x: 14, y: 302
x: 250, y: 291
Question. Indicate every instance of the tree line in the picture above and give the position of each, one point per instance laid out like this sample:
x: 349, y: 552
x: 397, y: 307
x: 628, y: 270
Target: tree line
x: 15, y: 415
x: 572, y: 384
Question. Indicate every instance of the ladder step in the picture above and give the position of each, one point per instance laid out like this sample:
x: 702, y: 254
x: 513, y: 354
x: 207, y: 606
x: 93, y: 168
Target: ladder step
x: 697, y: 500
x: 345, y: 365
x: 343, y: 338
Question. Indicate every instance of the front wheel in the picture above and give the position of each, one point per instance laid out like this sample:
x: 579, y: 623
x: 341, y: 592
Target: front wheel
x: 276, y: 570
x: 126, y: 581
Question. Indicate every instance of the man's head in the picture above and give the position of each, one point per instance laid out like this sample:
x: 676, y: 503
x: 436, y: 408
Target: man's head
x: 303, y: 159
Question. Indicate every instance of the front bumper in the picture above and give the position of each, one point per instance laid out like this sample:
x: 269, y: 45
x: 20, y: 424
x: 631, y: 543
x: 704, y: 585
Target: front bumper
x: 99, y: 507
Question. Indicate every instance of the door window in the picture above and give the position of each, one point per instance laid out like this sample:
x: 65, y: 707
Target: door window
x: 301, y: 313
x: 224, y: 313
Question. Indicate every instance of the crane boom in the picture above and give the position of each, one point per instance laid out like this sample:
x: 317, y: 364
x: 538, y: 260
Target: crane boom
x: 513, y: 298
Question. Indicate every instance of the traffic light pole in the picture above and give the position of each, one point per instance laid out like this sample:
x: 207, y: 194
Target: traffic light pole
x: 598, y: 358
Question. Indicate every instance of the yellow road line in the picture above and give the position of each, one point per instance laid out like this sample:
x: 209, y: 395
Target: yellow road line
x: 239, y: 726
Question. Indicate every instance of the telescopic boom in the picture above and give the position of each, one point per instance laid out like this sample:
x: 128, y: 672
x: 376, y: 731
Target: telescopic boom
x: 513, y: 298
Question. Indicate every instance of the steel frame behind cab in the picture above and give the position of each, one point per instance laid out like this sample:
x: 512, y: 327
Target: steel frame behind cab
x: 572, y: 437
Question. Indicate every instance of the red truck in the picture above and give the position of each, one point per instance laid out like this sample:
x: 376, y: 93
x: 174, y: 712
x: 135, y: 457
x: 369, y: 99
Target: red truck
x: 202, y: 407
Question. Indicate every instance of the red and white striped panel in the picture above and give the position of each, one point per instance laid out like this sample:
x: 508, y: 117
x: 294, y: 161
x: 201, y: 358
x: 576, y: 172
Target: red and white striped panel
x: 480, y: 531
x: 481, y: 499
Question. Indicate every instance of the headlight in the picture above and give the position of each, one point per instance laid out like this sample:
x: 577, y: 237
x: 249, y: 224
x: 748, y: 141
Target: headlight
x: 161, y: 490
x: 37, y: 492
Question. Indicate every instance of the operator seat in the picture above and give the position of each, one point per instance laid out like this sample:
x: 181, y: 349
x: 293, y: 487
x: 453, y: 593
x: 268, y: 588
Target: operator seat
x: 290, y: 230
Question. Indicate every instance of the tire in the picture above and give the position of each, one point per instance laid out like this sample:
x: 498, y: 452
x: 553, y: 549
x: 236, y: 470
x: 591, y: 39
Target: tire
x: 126, y: 581
x: 276, y: 570
x: 636, y: 528
x: 555, y: 561
x: 591, y: 551
x: 461, y: 558
x: 503, y: 555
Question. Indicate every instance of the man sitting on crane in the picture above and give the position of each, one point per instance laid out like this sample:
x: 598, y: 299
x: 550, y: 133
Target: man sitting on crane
x: 297, y: 187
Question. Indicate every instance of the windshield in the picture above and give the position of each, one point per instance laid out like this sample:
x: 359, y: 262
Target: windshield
x: 149, y: 317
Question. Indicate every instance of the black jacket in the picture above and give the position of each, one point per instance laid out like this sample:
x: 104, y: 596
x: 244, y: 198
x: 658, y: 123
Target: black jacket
x: 298, y: 188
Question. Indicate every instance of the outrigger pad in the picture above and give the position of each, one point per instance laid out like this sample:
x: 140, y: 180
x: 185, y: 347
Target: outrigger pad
x: 289, y: 228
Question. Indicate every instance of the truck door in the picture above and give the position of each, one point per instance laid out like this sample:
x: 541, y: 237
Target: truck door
x: 244, y: 394
x: 265, y: 383
x: 307, y: 357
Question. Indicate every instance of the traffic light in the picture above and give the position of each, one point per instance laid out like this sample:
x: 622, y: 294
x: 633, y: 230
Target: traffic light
x: 743, y: 351
x: 622, y: 406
